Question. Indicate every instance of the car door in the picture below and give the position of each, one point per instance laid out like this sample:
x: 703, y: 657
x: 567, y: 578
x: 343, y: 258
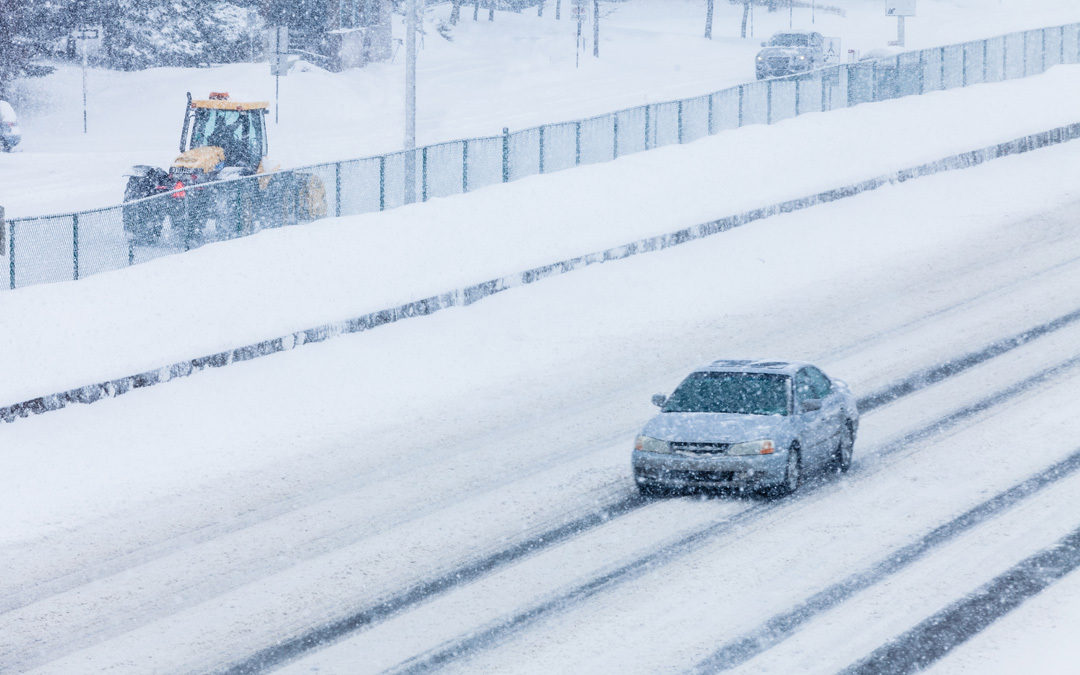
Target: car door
x: 832, y: 406
x: 813, y: 424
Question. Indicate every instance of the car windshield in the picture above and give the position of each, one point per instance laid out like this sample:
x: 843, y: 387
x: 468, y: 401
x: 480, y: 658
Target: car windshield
x: 789, y: 40
x: 737, y: 393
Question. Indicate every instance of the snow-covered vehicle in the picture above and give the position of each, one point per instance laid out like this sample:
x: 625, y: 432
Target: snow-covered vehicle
x: 791, y: 52
x: 221, y: 140
x: 10, y: 135
x: 747, y: 424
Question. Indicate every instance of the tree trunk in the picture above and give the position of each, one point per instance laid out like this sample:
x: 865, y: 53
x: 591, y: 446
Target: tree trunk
x: 540, y: 8
x: 596, y: 28
x: 745, y: 15
x: 455, y: 13
x: 708, y: 19
x: 476, y: 10
x: 558, y: 10
x: 491, y: 10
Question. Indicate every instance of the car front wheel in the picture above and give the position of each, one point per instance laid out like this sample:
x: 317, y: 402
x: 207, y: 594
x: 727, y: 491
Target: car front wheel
x: 792, y: 474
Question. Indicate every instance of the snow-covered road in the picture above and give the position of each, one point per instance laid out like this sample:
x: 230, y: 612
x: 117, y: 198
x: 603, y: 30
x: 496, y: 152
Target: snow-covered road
x: 255, y: 551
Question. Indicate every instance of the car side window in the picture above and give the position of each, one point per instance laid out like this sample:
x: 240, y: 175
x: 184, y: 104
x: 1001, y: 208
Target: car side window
x: 820, y: 385
x: 804, y: 389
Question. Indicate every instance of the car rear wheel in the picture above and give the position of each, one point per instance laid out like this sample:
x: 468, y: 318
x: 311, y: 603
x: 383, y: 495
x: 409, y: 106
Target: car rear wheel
x: 845, y: 450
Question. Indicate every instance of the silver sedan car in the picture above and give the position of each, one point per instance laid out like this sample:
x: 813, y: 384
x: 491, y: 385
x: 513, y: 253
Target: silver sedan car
x: 757, y: 424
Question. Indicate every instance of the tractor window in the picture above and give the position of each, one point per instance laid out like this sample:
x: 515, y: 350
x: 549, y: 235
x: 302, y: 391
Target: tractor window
x: 238, y: 133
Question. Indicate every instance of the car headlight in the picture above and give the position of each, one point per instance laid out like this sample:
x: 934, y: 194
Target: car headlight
x: 648, y: 444
x: 802, y: 57
x: 764, y: 447
x: 761, y: 58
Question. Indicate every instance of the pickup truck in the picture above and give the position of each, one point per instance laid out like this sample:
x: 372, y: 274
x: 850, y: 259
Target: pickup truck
x: 790, y: 52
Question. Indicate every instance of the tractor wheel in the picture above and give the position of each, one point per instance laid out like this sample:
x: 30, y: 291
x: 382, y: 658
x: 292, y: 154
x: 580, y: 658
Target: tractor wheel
x: 143, y: 221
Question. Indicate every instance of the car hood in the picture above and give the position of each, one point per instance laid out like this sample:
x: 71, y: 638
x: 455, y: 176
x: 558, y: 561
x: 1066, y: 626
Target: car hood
x: 714, y: 427
x: 787, y: 52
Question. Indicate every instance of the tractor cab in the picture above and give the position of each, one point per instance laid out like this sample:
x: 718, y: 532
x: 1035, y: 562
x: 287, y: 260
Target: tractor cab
x: 237, y: 129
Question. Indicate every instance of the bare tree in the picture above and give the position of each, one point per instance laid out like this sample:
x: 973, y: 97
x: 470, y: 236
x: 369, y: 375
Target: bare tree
x: 558, y: 10
x: 708, y: 19
x: 476, y: 10
x: 455, y: 13
x: 491, y: 10
x: 745, y: 15
x: 540, y: 8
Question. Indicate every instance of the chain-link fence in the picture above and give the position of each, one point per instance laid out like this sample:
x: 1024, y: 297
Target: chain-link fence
x: 55, y: 248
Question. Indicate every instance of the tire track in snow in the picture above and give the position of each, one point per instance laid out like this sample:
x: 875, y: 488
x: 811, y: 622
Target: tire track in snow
x: 753, y: 643
x: 23, y: 595
x: 937, y: 635
x: 779, y: 627
x: 290, y: 649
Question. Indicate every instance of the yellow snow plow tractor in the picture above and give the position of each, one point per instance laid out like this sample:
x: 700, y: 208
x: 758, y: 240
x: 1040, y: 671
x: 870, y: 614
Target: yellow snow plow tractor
x: 212, y: 183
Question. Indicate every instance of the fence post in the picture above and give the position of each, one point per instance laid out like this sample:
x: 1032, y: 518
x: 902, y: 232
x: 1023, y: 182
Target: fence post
x: 768, y: 103
x: 943, y: 69
x: 964, y: 66
x: 75, y: 245
x: 741, y: 96
x: 922, y: 72
x: 506, y: 155
x: 798, y: 92
x: 1024, y: 74
x: 577, y: 143
x: 986, y: 54
x: 680, y: 108
x: 382, y: 182
x: 648, y: 111
x: 465, y: 166
x: 337, y: 189
x: 1004, y: 59
x: 1043, y: 34
x: 188, y: 229
x: 11, y: 252
x: 712, y: 123
x: 615, y: 135
x: 423, y: 174
x: 541, y: 149
x: 1061, y: 46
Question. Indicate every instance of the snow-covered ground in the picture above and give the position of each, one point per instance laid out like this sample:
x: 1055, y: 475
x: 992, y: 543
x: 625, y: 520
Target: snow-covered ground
x: 216, y: 515
x: 187, y: 526
x: 517, y: 72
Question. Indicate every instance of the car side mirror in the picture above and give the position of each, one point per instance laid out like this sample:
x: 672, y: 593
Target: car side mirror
x: 659, y: 400
x: 811, y: 405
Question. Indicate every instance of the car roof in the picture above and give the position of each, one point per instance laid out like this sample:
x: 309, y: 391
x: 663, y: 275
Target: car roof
x: 795, y: 32
x: 776, y: 367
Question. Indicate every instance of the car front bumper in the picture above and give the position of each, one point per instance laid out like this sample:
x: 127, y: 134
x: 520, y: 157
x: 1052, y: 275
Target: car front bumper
x: 766, y: 69
x: 684, y: 471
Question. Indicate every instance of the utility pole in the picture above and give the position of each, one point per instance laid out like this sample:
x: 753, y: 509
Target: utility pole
x: 596, y: 28
x: 410, y: 103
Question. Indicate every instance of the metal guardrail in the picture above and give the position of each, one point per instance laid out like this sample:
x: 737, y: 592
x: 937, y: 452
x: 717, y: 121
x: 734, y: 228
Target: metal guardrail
x: 45, y: 249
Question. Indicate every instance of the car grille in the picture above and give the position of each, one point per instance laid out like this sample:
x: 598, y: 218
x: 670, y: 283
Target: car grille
x: 779, y: 63
x: 700, y: 448
x: 703, y: 476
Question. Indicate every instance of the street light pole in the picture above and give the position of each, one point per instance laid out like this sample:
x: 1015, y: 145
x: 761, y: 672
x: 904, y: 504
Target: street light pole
x: 410, y: 103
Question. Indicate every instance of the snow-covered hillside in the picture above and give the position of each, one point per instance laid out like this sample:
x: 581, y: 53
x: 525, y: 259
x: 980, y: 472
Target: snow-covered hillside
x: 517, y: 72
